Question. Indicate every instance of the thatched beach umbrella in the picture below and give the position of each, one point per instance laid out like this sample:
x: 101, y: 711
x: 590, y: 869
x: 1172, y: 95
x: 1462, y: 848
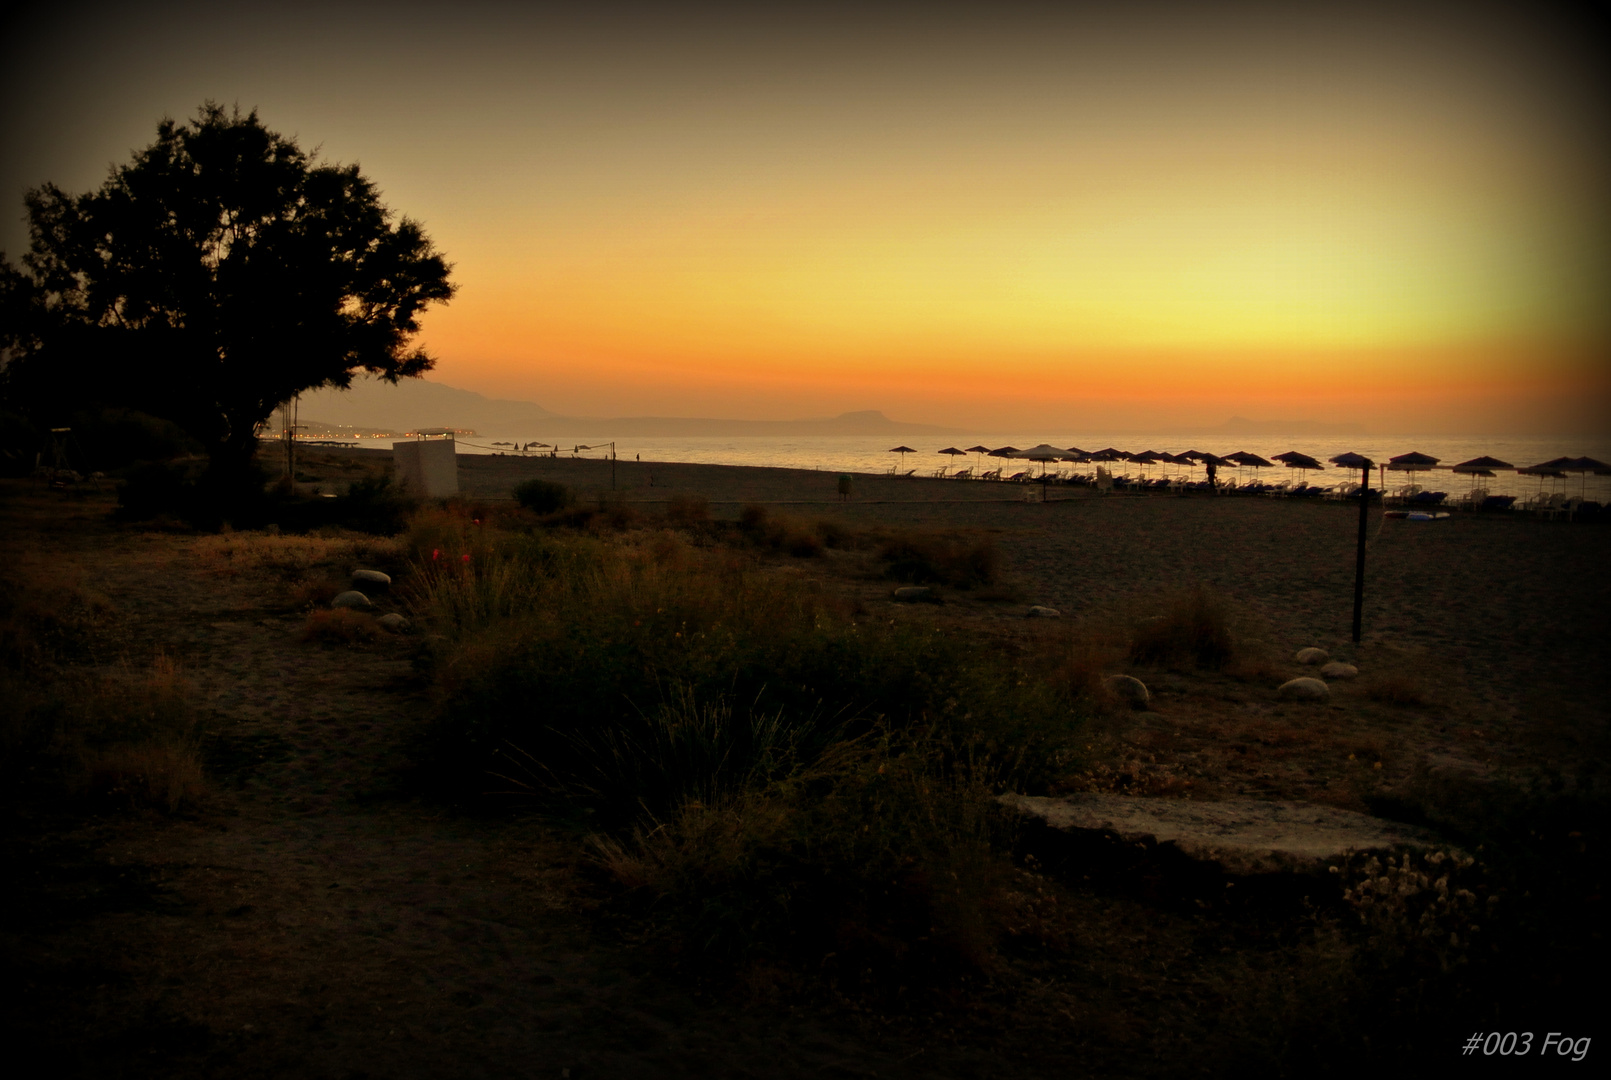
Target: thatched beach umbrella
x: 952, y: 452
x: 1043, y: 453
x: 1294, y: 460
x: 1582, y: 466
x: 1244, y: 459
x: 1411, y: 462
x: 1480, y: 466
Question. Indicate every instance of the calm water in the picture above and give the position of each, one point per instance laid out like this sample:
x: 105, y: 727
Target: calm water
x: 861, y: 454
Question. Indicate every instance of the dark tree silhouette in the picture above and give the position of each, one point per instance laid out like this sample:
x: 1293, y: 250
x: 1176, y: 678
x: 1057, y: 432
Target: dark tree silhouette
x: 217, y: 275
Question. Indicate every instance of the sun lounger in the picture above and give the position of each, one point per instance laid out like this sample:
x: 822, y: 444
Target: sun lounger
x: 1497, y: 502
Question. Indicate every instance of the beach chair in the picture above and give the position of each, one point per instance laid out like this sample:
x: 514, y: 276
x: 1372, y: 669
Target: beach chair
x: 962, y: 474
x: 1473, y: 499
x: 1497, y: 502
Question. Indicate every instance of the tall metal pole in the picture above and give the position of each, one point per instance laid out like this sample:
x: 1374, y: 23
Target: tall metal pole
x: 1359, y: 557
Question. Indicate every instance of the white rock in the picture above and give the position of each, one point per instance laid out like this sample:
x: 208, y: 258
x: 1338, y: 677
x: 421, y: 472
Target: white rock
x: 370, y: 577
x: 352, y: 598
x: 1305, y: 690
x: 1128, y: 689
x: 915, y: 594
x: 392, y: 621
x: 1039, y: 612
x: 1339, y: 670
x: 1313, y: 656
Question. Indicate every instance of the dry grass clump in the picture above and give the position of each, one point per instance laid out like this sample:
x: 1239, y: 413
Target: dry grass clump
x: 133, y: 736
x: 779, y: 532
x: 923, y: 558
x: 878, y: 868
x: 1195, y: 629
x: 687, y: 511
x: 1397, y: 689
x: 255, y: 552
x: 780, y: 778
x: 161, y: 775
x: 339, y: 626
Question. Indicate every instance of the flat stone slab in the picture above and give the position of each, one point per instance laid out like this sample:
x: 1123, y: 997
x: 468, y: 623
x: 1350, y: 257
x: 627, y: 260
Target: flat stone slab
x: 1243, y: 836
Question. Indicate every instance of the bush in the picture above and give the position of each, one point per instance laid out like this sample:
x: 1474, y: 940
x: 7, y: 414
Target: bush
x: 688, y: 510
x: 877, y: 868
x: 339, y: 626
x: 778, y: 780
x: 154, y: 489
x: 541, y: 623
x: 543, y: 496
x: 932, y: 558
x: 1195, y: 629
x: 779, y: 532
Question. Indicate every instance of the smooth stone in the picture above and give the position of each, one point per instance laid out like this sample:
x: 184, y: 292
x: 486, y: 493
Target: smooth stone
x: 1339, y: 670
x: 1304, y: 690
x: 1240, y: 835
x: 370, y: 577
x: 1130, y: 690
x: 1039, y: 612
x: 392, y: 621
x: 916, y: 594
x: 1313, y: 656
x: 352, y: 598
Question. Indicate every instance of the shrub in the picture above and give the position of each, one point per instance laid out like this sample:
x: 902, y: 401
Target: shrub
x: 1195, y: 629
x: 779, y: 532
x: 877, y: 868
x: 541, y: 623
x: 543, y: 496
x: 778, y: 780
x: 934, y: 558
x: 133, y: 735
x: 688, y: 510
x: 1393, y: 689
x: 155, y: 488
x: 339, y: 626
x: 162, y: 775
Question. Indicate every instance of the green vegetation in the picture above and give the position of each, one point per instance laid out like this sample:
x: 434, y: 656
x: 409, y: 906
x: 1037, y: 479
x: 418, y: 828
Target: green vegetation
x: 771, y: 770
x: 543, y: 496
x: 125, y: 737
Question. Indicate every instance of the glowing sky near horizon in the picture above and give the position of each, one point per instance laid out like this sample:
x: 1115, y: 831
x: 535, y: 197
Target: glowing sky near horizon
x: 981, y: 216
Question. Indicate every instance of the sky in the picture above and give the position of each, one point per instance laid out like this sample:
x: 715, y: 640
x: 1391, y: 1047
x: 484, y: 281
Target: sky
x: 988, y: 216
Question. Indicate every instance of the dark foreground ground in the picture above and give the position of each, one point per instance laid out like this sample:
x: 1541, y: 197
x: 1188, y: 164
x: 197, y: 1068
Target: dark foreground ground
x: 315, y: 915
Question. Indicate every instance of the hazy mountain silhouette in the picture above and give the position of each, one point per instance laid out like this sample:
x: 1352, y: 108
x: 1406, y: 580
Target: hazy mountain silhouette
x: 416, y: 403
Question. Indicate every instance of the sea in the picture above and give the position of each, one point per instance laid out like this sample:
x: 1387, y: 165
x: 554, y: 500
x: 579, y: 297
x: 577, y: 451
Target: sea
x: 872, y: 455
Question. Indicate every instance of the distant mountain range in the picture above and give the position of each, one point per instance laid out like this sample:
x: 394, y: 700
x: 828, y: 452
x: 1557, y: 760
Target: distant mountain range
x: 416, y: 403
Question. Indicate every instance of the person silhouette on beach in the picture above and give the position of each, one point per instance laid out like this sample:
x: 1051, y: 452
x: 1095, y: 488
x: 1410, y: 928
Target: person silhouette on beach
x: 1213, y: 470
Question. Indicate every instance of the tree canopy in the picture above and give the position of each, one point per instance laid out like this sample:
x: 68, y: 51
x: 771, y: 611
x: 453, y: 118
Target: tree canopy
x: 218, y: 274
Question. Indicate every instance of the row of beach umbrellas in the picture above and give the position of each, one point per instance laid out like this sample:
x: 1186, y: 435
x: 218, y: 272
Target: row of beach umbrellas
x: 1556, y: 468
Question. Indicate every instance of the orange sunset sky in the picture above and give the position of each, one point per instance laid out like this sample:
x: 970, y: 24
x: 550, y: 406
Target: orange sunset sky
x: 992, y: 216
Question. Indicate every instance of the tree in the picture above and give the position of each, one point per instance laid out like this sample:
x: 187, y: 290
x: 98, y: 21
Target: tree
x: 217, y: 275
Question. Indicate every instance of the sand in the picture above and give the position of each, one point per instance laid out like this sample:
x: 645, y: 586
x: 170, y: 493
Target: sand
x: 315, y: 920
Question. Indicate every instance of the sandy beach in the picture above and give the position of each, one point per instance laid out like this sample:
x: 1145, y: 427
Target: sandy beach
x: 315, y: 918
